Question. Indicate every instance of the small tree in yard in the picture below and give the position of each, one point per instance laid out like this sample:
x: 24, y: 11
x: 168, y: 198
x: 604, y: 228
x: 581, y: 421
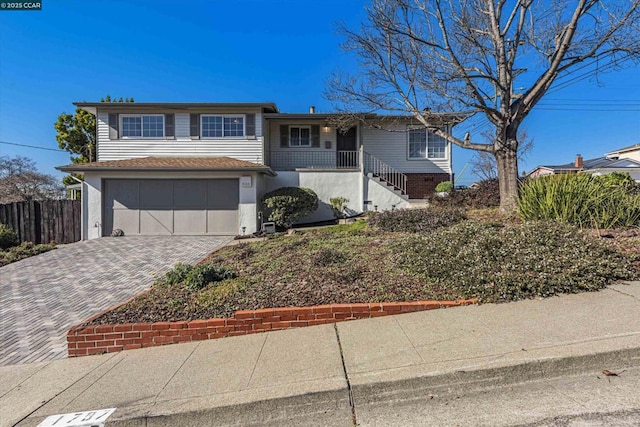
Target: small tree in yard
x: 423, y: 57
x: 76, y: 133
x: 289, y: 204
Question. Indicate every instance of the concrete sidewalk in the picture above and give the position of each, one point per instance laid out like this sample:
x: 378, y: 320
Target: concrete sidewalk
x: 337, y: 374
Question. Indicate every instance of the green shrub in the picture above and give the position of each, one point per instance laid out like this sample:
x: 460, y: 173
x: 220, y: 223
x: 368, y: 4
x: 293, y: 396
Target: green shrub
x: 176, y: 275
x: 416, y: 220
x: 8, y: 237
x: 444, y: 187
x: 506, y: 263
x: 195, y: 277
x: 203, y: 274
x: 288, y: 204
x: 579, y: 199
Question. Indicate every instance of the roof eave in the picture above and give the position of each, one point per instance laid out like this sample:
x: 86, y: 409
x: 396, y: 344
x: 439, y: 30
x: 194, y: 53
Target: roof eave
x: 79, y: 169
x: 92, y: 107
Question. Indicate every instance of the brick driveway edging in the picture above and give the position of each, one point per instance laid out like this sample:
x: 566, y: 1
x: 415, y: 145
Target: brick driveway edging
x: 88, y: 340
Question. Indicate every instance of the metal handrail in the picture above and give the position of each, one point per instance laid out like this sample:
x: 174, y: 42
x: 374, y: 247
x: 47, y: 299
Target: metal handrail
x: 384, y: 172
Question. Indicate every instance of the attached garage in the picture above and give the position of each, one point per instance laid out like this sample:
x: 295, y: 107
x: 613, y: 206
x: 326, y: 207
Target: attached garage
x: 170, y: 196
x: 171, y: 206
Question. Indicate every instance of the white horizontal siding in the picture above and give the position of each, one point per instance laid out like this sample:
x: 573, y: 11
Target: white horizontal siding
x: 182, y: 145
x: 391, y: 147
x: 249, y: 150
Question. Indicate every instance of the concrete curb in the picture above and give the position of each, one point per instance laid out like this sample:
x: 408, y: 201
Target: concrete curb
x: 467, y: 382
x: 324, y: 408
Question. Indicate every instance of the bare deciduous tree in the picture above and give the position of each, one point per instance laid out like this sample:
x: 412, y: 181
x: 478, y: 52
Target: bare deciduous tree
x: 424, y: 57
x: 20, y: 181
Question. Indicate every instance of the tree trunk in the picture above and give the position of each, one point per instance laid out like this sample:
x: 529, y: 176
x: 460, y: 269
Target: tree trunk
x: 508, y: 176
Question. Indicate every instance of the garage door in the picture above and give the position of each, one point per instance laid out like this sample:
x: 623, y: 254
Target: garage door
x: 179, y: 206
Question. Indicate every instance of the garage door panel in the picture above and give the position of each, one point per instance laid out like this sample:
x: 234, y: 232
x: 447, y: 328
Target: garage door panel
x: 171, y: 206
x: 156, y: 193
x: 156, y: 222
x: 190, y: 221
x: 126, y: 220
x: 222, y: 221
x: 223, y: 194
x: 190, y: 193
x: 122, y: 194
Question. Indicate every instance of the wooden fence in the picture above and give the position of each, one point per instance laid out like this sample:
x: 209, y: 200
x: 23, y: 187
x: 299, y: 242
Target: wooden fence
x: 44, y: 221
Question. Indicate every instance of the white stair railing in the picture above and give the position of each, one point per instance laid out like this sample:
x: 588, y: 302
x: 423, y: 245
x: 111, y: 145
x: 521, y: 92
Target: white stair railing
x: 378, y: 168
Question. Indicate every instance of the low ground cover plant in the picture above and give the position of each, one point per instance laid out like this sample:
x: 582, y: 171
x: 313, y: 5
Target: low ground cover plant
x: 22, y: 251
x: 416, y: 220
x: 353, y: 263
x: 499, y: 263
x: 580, y: 199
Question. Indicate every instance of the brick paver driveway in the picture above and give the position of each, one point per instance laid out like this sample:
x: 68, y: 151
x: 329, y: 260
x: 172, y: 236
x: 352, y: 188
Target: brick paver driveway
x: 43, y: 296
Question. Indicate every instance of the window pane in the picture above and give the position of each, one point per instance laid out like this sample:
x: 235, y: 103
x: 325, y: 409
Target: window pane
x: 294, y: 136
x: 437, y: 147
x: 417, y: 143
x: 234, y: 126
x: 212, y: 126
x: 131, y: 126
x: 152, y: 126
x: 305, y: 136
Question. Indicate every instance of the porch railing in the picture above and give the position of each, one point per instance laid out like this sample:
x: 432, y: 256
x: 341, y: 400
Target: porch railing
x: 386, y: 173
x: 290, y: 160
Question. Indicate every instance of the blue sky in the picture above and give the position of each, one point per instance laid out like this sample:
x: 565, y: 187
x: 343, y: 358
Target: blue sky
x: 231, y: 51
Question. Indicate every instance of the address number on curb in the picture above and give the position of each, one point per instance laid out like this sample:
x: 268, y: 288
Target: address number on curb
x: 95, y: 418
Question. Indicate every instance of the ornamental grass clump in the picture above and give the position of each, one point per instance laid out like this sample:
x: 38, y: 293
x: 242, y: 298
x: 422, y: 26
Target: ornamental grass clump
x: 416, y: 220
x: 580, y: 199
x: 498, y: 263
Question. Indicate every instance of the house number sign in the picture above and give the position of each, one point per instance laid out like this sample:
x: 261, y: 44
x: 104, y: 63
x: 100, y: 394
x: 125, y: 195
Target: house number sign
x: 95, y: 418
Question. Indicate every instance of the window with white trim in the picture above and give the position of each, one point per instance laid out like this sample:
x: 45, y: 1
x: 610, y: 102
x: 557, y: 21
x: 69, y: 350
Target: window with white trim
x: 143, y: 126
x: 300, y: 136
x: 222, y: 126
x: 426, y: 145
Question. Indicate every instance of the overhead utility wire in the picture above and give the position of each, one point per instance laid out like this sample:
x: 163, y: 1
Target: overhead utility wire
x: 32, y: 146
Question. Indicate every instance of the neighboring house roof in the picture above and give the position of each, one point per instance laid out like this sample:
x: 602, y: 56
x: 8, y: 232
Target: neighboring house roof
x: 91, y: 107
x: 633, y: 147
x: 592, y: 164
x: 170, y: 164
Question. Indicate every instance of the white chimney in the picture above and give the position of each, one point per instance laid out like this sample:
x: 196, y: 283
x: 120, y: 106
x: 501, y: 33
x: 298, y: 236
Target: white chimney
x: 312, y: 110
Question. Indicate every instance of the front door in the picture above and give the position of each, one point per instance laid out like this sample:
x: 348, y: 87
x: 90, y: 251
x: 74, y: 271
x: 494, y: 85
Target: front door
x: 347, y: 149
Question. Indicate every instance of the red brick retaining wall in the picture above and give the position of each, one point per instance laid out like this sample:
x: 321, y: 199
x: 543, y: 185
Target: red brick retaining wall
x: 87, y: 340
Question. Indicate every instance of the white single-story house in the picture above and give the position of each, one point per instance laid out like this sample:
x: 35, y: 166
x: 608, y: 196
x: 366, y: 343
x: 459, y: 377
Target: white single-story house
x: 203, y: 168
x: 625, y: 160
